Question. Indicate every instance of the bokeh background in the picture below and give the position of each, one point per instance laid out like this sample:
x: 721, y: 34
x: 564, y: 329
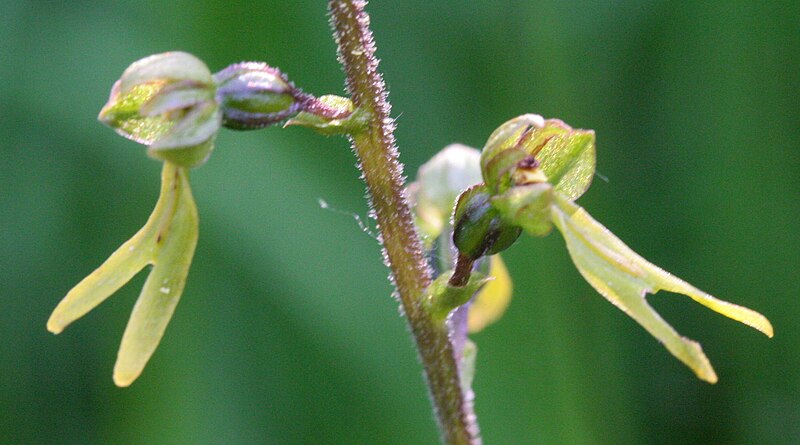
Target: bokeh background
x: 287, y: 333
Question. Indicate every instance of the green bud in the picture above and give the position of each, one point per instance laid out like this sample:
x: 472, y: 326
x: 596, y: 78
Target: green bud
x: 166, y: 101
x: 479, y: 228
x: 565, y: 157
x: 254, y: 95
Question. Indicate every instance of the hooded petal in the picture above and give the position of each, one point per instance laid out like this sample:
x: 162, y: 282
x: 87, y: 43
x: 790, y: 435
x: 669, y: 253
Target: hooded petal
x: 565, y: 155
x: 165, y: 67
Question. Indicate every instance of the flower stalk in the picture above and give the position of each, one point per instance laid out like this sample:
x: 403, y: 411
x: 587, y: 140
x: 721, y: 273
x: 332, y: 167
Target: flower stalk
x: 402, y: 248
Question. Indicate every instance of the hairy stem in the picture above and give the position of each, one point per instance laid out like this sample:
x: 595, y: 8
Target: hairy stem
x: 402, y: 249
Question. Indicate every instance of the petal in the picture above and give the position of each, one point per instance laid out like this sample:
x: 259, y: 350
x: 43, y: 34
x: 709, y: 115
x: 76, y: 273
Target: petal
x: 198, y: 126
x: 493, y: 299
x: 499, y: 169
x: 624, y: 278
x: 174, y: 97
x: 507, y: 136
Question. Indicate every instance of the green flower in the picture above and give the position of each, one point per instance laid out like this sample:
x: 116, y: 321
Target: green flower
x: 439, y: 183
x: 533, y: 169
x: 167, y: 102
x: 166, y: 242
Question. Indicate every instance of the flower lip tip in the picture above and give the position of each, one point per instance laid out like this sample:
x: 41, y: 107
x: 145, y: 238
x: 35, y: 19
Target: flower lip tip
x: 766, y: 329
x: 54, y: 327
x: 707, y: 374
x: 123, y: 380
x: 760, y: 323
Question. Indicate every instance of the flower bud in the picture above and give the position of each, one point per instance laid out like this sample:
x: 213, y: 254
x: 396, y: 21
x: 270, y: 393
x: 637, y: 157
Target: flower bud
x: 254, y: 95
x: 440, y: 181
x: 564, y: 156
x: 166, y: 101
x: 478, y: 227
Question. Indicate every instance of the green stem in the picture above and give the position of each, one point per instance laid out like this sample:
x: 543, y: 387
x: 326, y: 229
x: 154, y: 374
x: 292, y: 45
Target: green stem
x: 402, y: 249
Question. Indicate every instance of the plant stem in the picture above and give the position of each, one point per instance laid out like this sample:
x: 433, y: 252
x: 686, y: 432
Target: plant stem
x: 402, y: 249
x: 462, y: 271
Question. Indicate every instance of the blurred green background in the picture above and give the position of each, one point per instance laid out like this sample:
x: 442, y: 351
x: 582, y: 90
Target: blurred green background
x: 287, y: 333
